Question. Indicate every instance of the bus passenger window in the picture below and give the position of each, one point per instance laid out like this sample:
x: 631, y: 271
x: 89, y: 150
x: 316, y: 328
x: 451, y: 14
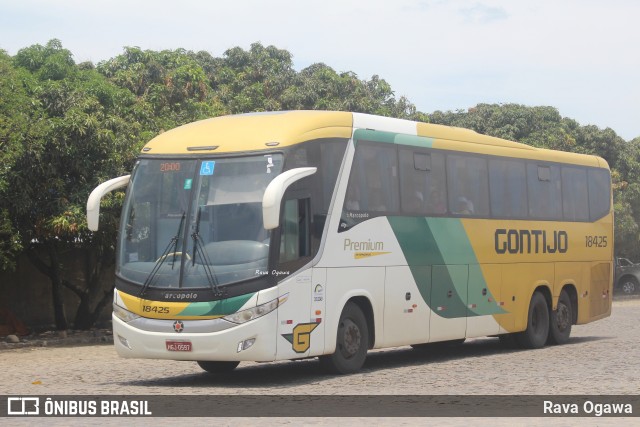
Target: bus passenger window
x: 422, y: 177
x: 508, y: 184
x: 543, y: 187
x: 373, y: 184
x: 468, y: 185
x: 599, y: 193
x: 575, y: 198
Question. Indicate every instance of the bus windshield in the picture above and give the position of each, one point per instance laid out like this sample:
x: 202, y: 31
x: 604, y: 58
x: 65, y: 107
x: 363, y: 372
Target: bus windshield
x: 195, y: 223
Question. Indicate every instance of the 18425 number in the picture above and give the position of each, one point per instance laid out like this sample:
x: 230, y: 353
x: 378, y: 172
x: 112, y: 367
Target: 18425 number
x: 155, y: 309
x: 596, y: 241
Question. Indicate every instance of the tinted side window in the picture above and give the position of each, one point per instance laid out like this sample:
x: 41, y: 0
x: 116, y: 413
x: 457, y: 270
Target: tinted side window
x: 326, y: 155
x: 331, y: 154
x: 543, y: 187
x: 422, y: 182
x: 295, y: 237
x: 599, y: 193
x: 508, y: 184
x: 575, y: 198
x: 468, y: 185
x: 373, y: 184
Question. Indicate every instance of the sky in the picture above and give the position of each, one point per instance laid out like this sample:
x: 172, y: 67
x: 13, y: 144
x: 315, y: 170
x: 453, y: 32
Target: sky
x: 579, y: 56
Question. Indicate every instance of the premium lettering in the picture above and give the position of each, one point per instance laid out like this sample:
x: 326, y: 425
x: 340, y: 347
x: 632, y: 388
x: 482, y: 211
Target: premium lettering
x: 366, y: 245
x: 530, y: 241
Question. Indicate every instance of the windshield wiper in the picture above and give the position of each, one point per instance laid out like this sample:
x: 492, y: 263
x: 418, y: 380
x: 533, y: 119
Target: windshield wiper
x: 173, y: 243
x: 206, y: 262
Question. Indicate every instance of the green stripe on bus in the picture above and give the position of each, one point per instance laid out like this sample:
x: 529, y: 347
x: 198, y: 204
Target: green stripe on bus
x: 456, y: 248
x: 374, y: 136
x: 216, y: 308
x: 392, y: 138
x: 414, y: 140
x: 421, y: 250
x: 444, y: 265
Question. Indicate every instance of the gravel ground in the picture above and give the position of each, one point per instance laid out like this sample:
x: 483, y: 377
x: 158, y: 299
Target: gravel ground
x: 602, y: 358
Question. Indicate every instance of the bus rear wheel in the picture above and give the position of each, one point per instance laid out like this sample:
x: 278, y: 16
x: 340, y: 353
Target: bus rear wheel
x: 561, y: 320
x: 217, y: 367
x: 352, y: 342
x: 535, y: 336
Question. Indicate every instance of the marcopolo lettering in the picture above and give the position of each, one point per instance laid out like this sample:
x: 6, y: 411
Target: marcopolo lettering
x: 531, y: 241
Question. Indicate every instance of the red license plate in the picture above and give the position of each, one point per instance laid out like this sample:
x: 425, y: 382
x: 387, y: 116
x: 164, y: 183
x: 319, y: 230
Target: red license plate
x: 178, y: 345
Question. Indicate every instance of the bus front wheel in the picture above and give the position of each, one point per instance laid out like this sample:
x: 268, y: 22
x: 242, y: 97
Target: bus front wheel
x: 535, y: 336
x: 217, y: 367
x: 352, y: 342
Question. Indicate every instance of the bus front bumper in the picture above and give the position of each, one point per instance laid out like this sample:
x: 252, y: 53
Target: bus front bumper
x: 251, y: 341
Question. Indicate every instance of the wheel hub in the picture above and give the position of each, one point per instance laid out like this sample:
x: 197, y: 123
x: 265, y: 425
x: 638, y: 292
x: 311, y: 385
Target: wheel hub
x: 351, y: 339
x: 562, y: 317
x: 628, y: 287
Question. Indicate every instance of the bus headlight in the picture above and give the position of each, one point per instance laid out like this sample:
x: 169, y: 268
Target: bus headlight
x: 124, y: 315
x: 255, y: 312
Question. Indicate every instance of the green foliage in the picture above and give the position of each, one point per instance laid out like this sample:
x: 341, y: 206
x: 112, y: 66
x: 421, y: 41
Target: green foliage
x: 20, y: 135
x: 177, y: 87
x: 85, y: 137
x: 170, y: 87
x: 252, y: 80
x: 50, y: 62
x: 67, y: 129
x: 319, y: 87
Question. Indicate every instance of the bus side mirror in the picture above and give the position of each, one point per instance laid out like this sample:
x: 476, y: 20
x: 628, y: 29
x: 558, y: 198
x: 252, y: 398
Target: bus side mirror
x: 93, y: 203
x: 275, y: 190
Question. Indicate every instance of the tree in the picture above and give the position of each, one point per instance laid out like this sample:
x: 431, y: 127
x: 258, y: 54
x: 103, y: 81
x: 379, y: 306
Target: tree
x: 252, y: 80
x: 319, y: 87
x: 84, y: 137
x: 170, y: 87
x: 177, y: 87
x: 20, y: 134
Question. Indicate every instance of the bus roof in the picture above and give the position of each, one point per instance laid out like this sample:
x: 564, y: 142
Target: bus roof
x: 269, y: 130
x: 251, y: 132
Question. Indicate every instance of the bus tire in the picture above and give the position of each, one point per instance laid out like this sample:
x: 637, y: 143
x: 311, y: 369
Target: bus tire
x: 352, y: 342
x: 535, y: 336
x: 214, y: 367
x: 560, y: 320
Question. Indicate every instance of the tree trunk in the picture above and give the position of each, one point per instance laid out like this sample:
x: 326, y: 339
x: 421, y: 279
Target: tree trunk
x: 94, y: 269
x: 52, y: 271
x: 86, y: 317
x: 56, y: 290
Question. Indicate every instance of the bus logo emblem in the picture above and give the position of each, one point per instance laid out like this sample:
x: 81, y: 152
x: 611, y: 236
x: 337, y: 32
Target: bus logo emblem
x: 300, y: 339
x: 178, y: 326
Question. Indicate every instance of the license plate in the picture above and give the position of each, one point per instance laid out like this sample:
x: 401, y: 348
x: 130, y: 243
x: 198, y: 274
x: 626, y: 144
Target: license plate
x: 178, y: 345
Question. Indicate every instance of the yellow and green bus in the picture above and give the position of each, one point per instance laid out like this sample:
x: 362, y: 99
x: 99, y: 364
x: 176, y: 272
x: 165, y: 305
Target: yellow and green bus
x: 287, y: 235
